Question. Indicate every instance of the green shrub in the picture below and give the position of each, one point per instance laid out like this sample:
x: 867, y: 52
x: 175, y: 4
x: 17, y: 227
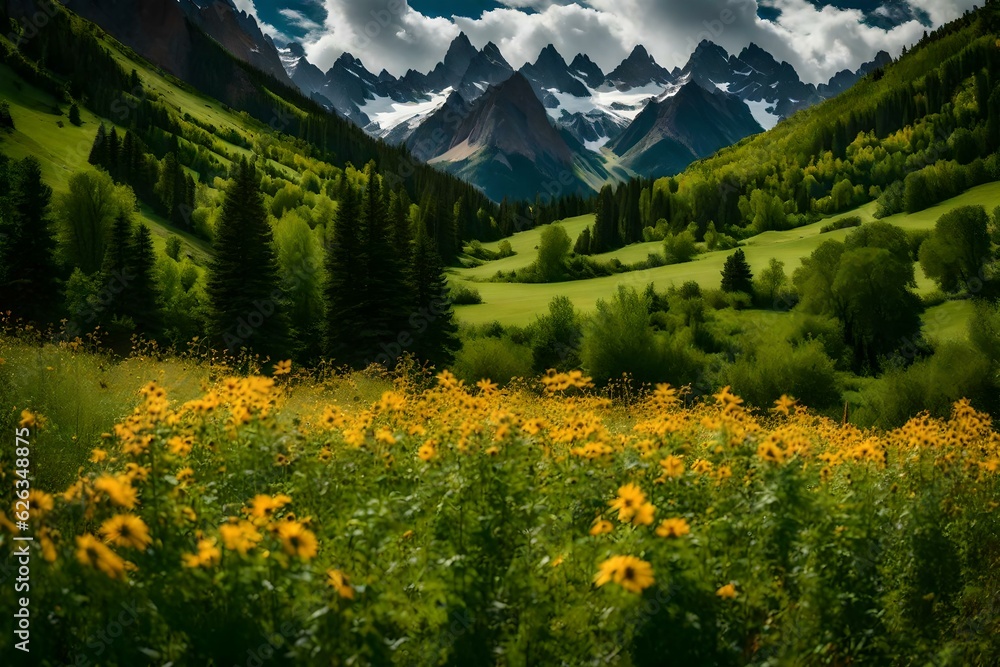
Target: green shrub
x: 618, y: 340
x: 771, y: 369
x: 497, y: 359
x: 680, y: 248
x: 6, y: 120
x: 557, y: 337
x: 464, y: 295
x: 828, y: 331
x: 553, y: 252
x: 953, y: 372
x: 173, y: 247
x: 843, y: 223
x: 891, y: 201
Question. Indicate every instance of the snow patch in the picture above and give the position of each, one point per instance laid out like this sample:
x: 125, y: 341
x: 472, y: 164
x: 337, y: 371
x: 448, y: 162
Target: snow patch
x: 389, y: 114
x: 764, y: 117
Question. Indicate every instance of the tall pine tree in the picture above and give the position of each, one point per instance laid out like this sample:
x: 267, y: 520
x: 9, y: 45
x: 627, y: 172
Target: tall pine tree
x: 344, y: 292
x: 142, y: 297
x: 243, y: 284
x: 116, y: 270
x: 605, y: 235
x: 28, y: 271
x: 736, y: 274
x: 381, y: 274
x: 433, y: 325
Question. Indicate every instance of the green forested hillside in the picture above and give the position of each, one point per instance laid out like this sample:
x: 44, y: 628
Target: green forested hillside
x: 917, y: 132
x: 113, y: 135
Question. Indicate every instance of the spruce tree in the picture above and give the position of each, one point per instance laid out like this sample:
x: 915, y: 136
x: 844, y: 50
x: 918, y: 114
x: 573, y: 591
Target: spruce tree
x: 113, y: 155
x: 343, y: 292
x: 74, y: 115
x: 99, y: 151
x: 433, y: 325
x: 28, y: 270
x: 142, y: 298
x: 736, y: 274
x: 583, y: 242
x: 243, y: 283
x: 116, y: 256
x: 605, y: 235
x: 402, y: 228
x: 117, y: 264
x: 380, y: 276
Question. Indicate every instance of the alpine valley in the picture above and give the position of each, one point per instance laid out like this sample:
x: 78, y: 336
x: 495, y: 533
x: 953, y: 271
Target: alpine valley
x: 553, y: 126
x: 570, y: 126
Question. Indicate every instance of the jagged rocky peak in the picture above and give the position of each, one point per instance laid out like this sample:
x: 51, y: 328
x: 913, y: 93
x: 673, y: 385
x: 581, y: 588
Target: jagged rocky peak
x: 638, y: 70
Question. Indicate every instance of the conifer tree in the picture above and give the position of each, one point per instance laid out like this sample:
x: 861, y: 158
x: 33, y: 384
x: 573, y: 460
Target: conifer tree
x: 433, y: 325
x: 247, y: 309
x: 142, y: 298
x: 605, y: 235
x: 583, y: 242
x: 116, y: 269
x: 99, y: 151
x: 28, y: 272
x: 74, y: 115
x: 116, y: 254
x: 113, y: 155
x: 382, y: 276
x: 344, y: 293
x: 402, y: 229
x: 736, y: 274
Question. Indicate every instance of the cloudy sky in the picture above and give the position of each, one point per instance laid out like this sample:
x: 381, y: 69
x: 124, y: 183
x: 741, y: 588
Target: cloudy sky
x: 818, y: 38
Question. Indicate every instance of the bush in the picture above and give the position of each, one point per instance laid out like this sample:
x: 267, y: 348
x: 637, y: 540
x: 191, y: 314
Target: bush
x: 6, y: 120
x: 740, y: 300
x: 843, y: 223
x: 497, y: 359
x: 953, y: 372
x: 618, y: 340
x: 916, y: 238
x: 828, y: 331
x: 763, y: 374
x: 557, y: 337
x: 552, y: 253
x: 984, y: 330
x: 173, y: 247
x: 891, y: 201
x: 680, y: 248
x: 464, y: 295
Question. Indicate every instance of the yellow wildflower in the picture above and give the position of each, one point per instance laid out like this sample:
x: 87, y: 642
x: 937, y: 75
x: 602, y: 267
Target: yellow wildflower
x: 340, y: 583
x: 673, y: 528
x: 126, y: 530
x: 90, y: 551
x: 631, y: 573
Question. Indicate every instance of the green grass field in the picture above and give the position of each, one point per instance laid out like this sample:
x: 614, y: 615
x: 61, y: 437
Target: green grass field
x: 518, y: 304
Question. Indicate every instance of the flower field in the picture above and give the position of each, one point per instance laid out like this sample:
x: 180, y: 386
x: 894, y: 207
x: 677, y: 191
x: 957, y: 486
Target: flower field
x: 544, y: 524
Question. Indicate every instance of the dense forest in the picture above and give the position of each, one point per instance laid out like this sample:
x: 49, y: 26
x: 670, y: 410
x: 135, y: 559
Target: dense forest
x: 394, y: 220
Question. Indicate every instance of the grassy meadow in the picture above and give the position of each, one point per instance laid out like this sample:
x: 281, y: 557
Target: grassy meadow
x: 518, y: 303
x: 365, y: 520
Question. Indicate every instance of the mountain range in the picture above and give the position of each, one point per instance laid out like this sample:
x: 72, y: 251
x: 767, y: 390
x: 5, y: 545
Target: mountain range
x: 472, y: 114
x: 639, y: 119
